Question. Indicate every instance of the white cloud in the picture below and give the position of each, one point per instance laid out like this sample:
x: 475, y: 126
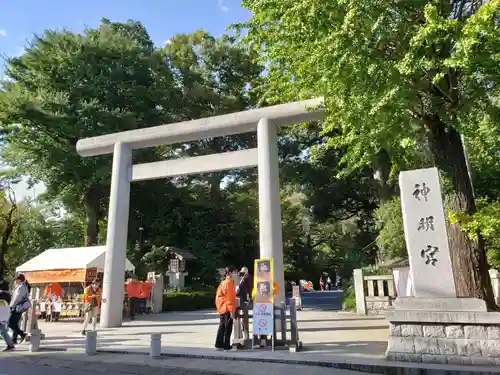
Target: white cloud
x: 222, y: 7
x: 3, y: 32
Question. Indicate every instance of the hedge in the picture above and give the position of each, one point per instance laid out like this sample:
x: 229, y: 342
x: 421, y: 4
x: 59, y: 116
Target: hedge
x: 189, y: 300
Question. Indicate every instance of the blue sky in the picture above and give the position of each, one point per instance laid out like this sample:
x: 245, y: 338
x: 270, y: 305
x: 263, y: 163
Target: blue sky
x: 20, y: 19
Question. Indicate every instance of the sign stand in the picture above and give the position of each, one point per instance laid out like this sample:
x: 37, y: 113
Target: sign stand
x: 263, y: 307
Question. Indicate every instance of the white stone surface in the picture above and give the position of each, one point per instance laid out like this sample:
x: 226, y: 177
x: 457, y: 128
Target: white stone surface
x: 403, y: 282
x: 448, y: 317
x: 193, y: 165
x: 360, y: 291
x: 217, y: 126
x: 270, y: 239
x: 495, y: 284
x: 116, y: 239
x: 425, y: 233
x: 440, y: 304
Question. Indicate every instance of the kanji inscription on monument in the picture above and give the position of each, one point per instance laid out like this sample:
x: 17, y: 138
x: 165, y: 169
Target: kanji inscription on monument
x: 425, y: 233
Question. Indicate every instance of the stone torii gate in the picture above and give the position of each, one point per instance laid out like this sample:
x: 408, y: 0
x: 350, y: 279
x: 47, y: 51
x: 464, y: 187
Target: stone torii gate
x: 263, y: 120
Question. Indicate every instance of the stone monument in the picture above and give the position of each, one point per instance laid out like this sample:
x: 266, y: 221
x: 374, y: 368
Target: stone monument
x: 425, y: 234
x: 434, y: 326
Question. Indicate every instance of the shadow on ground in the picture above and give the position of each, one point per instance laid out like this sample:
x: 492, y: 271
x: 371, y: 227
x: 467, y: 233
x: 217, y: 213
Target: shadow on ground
x: 375, y: 348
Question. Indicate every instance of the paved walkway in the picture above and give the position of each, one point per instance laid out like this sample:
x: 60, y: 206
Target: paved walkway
x: 69, y: 363
x: 335, y: 343
x: 323, y: 333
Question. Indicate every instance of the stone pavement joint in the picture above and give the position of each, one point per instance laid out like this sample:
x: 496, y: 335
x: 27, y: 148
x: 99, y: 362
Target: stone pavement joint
x: 124, y: 368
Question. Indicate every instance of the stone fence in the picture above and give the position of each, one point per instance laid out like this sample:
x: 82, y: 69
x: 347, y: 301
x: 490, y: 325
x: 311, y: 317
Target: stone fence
x: 375, y: 293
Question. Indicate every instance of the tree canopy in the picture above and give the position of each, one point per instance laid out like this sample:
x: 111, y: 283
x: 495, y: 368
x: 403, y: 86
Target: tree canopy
x: 405, y: 84
x: 394, y: 75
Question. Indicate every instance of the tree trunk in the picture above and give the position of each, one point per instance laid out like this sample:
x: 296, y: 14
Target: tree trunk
x: 215, y: 180
x: 3, y: 252
x: 4, y: 246
x: 381, y: 171
x: 468, y: 257
x: 92, y: 209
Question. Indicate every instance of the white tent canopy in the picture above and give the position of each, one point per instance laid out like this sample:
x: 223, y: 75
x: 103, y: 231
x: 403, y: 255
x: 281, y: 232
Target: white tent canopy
x: 69, y: 258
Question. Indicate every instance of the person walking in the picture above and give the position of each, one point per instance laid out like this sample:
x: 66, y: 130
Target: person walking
x: 225, y: 302
x: 5, y: 313
x: 321, y: 283
x: 134, y: 294
x: 19, y: 304
x: 328, y: 283
x: 92, y: 298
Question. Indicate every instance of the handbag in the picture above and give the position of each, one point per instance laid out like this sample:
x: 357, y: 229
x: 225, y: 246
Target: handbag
x: 22, y: 307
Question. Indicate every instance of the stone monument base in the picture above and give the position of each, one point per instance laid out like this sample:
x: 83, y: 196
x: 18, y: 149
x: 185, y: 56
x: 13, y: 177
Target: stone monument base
x: 443, y: 330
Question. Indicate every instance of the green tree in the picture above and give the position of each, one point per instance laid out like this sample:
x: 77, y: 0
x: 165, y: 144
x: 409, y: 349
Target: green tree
x: 391, y: 238
x: 217, y: 77
x: 392, y: 72
x: 11, y: 214
x: 69, y: 86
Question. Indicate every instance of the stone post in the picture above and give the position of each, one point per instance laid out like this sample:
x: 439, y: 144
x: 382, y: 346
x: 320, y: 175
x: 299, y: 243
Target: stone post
x: 495, y: 283
x: 91, y: 343
x: 155, y: 351
x: 270, y: 238
x: 359, y: 290
x: 35, y: 338
x: 116, y: 239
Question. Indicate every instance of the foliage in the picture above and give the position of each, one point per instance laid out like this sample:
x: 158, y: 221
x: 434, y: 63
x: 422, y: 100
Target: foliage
x: 38, y: 231
x: 113, y: 79
x: 188, y: 300
x: 349, y: 293
x: 487, y: 222
x: 395, y: 75
x: 69, y: 86
x: 349, y: 297
x: 389, y: 223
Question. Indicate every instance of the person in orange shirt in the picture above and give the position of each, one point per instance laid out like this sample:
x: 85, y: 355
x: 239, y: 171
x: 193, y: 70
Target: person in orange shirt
x: 53, y: 288
x: 92, y: 299
x: 134, y: 293
x: 225, y: 301
x: 145, y: 296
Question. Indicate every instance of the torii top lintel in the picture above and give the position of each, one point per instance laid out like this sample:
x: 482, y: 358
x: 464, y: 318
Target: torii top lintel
x: 217, y: 126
